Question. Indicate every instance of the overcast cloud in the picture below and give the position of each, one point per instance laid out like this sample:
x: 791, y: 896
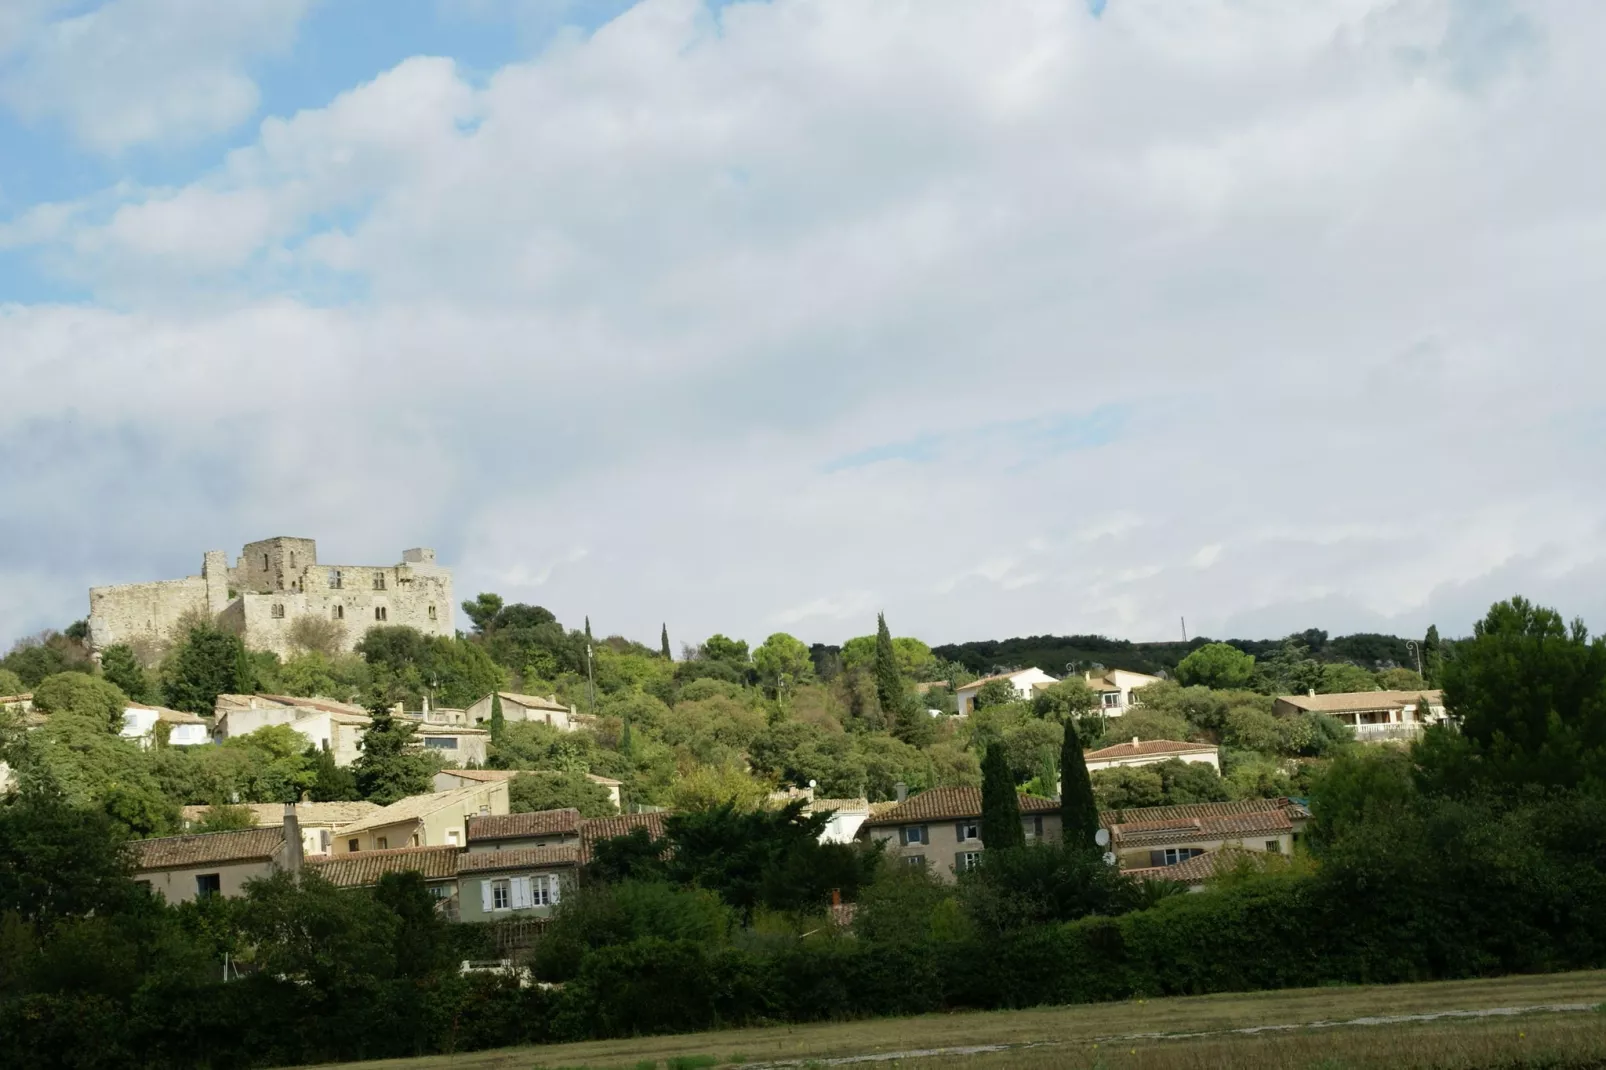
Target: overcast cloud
x: 1008, y: 318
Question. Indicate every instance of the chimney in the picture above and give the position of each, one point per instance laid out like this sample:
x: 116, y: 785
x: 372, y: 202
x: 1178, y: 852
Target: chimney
x: 292, y: 839
x: 1311, y: 693
x: 836, y: 897
x: 902, y: 789
x: 1134, y: 741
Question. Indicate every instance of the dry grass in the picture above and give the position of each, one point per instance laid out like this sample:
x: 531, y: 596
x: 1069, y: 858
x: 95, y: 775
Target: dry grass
x: 1068, y: 1033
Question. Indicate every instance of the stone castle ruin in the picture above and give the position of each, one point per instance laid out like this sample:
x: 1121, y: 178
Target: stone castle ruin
x: 274, y: 584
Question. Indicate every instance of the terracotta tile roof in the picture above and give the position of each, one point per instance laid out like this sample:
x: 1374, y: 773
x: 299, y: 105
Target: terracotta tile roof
x: 947, y: 804
x: 1201, y: 868
x: 606, y: 828
x: 485, y: 776
x: 308, y: 813
x: 534, y: 702
x: 605, y: 781
x: 1361, y: 700
x: 416, y: 806
x: 1109, y: 818
x: 1148, y: 748
x: 845, y: 806
x: 1157, y: 833
x: 323, y: 705
x: 207, y: 848
x: 524, y: 826
x: 566, y: 854
x: 360, y: 869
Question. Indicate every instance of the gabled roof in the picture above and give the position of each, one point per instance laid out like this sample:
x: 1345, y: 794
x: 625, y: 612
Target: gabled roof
x: 415, y: 807
x: 1201, y: 868
x: 484, y: 776
x: 1157, y: 833
x: 949, y: 804
x: 1147, y: 748
x: 308, y: 813
x: 359, y: 869
x: 165, y: 714
x: 998, y: 676
x: 566, y: 854
x: 207, y: 849
x: 533, y: 702
x: 1347, y: 701
x: 606, y: 828
x: 1110, y: 818
x: 524, y: 826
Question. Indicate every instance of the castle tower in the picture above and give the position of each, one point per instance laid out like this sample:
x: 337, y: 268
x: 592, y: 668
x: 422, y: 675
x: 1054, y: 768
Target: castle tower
x: 215, y: 571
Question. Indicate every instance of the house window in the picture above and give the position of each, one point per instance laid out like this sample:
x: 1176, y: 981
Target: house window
x: 967, y: 860
x: 453, y: 838
x: 440, y: 742
x: 379, y: 613
x: 432, y: 612
x: 338, y: 612
x: 384, y: 843
x: 969, y: 830
x: 916, y: 860
x: 501, y: 895
x: 915, y: 834
x: 208, y: 884
x: 325, y: 840
x: 379, y: 581
x: 277, y: 612
x: 1111, y: 699
x: 1274, y: 846
x: 351, y: 845
x: 1172, y: 855
x: 335, y: 581
x: 1033, y: 825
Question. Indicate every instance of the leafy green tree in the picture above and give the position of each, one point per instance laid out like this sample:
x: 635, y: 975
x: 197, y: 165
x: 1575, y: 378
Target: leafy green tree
x: 10, y: 683
x: 408, y: 665
x: 1079, y: 811
x: 1400, y: 679
x: 1000, y: 805
x: 1066, y: 702
x: 59, y: 861
x: 532, y: 792
x: 482, y: 609
x: 782, y: 662
x: 330, y: 782
x: 77, y: 758
x: 390, y: 767
x: 1190, y: 782
x: 1433, y: 657
x: 1372, y: 784
x: 1127, y: 787
x: 225, y: 817
x: 995, y: 693
x: 1044, y: 884
x: 1217, y: 665
x: 1288, y: 670
x: 120, y: 667
x: 86, y: 696
x: 915, y: 659
x: 206, y: 664
x: 719, y: 648
x: 663, y: 644
x: 1339, y: 678
x: 1251, y: 728
x: 1528, y: 693
x: 888, y: 678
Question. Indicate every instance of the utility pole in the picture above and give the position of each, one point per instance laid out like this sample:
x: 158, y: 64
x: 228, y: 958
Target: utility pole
x: 591, y: 672
x: 1184, y: 629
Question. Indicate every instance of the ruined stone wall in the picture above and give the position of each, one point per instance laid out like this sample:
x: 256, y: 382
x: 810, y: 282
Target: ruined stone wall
x: 148, y: 612
x: 274, y: 564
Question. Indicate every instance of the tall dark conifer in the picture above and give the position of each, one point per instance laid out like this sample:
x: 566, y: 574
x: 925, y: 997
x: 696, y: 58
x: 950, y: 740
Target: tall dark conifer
x: 1079, y: 811
x: 663, y: 644
x: 1432, y: 656
x: 1000, y: 805
x: 888, y: 681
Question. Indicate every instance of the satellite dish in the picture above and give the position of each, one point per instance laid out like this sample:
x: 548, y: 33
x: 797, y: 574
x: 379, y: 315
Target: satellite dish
x: 1102, y: 837
x: 1109, y: 858
x: 813, y: 783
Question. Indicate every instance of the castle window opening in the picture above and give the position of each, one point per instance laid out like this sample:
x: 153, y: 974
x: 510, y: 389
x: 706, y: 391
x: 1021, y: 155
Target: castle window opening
x: 339, y: 612
x: 432, y: 611
x: 334, y: 579
x: 278, y: 610
x: 292, y: 559
x: 379, y: 581
x: 379, y: 613
x: 264, y: 562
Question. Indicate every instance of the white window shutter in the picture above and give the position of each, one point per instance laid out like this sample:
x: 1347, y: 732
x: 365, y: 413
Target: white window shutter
x: 485, y: 896
x: 552, y: 885
x: 521, y: 893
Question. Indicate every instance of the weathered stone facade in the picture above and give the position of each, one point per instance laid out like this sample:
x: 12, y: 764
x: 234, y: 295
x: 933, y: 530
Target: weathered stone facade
x: 275, y: 583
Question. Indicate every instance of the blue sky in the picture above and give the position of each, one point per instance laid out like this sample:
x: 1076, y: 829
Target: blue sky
x: 1005, y: 319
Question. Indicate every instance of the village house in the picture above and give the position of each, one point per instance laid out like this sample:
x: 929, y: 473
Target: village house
x: 336, y: 727
x: 183, y: 729
x: 319, y: 821
x: 523, y: 881
x: 182, y: 868
x: 533, y: 709
x: 1197, y: 871
x: 1376, y: 716
x: 513, y: 832
x: 1022, y: 680
x: 436, y: 865
x: 447, y: 779
x: 941, y: 828
x: 846, y: 815
x: 438, y: 819
x: 1115, y: 688
x: 460, y: 745
x: 1158, y: 836
x: 1151, y: 752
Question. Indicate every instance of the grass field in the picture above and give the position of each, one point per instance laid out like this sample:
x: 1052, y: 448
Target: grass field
x: 1149, y: 1035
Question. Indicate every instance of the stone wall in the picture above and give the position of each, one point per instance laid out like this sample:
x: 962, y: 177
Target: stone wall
x: 148, y: 612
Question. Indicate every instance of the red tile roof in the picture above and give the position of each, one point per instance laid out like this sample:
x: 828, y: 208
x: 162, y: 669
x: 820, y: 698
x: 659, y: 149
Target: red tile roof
x: 359, y: 869
x: 947, y: 804
x: 1108, y: 818
x: 524, y: 826
x: 1201, y: 868
x: 566, y: 854
x: 1148, y: 748
x: 606, y: 828
x: 208, y: 848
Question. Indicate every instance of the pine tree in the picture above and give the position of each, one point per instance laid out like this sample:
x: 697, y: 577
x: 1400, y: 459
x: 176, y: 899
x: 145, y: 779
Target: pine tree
x: 663, y: 641
x: 390, y: 767
x: 1432, y: 656
x: 1079, y: 811
x: 1000, y: 806
x: 498, y: 719
x: 332, y: 783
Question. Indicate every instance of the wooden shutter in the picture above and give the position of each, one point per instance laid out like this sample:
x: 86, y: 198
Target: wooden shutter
x: 1156, y: 858
x: 485, y: 896
x: 959, y: 831
x: 552, y: 885
x: 925, y: 834
x: 521, y: 894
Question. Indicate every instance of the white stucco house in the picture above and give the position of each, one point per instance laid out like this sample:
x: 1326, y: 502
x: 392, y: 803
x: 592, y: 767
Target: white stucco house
x: 184, y: 729
x: 1024, y: 681
x: 1151, y: 752
x: 1116, y: 688
x: 336, y: 727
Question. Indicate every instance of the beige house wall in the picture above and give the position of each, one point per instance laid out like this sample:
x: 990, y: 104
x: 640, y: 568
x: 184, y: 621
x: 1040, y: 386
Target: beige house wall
x: 944, y: 847
x: 1203, y: 758
x: 431, y: 830
x: 1140, y: 857
x: 178, y: 885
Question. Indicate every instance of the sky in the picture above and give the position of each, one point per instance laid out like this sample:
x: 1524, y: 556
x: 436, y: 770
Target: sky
x: 1004, y: 318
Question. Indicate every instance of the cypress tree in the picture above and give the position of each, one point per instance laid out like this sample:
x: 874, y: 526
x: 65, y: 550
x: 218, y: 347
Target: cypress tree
x: 1432, y: 656
x: 663, y: 642
x: 498, y: 720
x: 888, y: 681
x: 1000, y: 806
x: 1079, y: 811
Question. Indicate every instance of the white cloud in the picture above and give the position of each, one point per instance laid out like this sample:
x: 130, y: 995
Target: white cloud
x: 130, y: 72
x: 1328, y: 271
